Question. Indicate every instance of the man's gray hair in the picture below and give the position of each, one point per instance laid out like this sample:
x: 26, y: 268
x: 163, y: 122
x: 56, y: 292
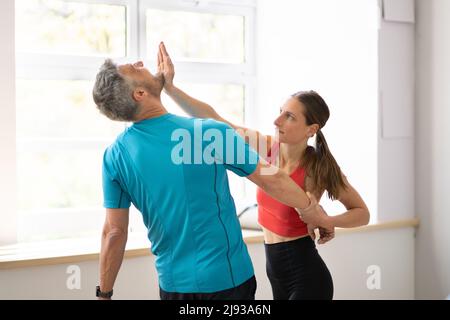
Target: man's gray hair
x: 112, y: 93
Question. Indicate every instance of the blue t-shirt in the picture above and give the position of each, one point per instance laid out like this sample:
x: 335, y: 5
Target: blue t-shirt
x: 173, y: 169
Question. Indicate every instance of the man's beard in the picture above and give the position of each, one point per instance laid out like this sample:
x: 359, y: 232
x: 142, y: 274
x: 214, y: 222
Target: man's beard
x: 159, y: 77
x: 155, y: 87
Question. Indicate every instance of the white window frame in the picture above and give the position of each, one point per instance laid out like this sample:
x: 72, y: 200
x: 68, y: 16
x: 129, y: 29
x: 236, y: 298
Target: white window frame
x: 8, y: 216
x: 68, y: 67
x: 241, y: 74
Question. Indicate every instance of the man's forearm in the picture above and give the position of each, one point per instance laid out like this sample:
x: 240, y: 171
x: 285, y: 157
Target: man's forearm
x: 190, y: 105
x: 111, y: 257
x: 287, y: 191
x: 279, y: 185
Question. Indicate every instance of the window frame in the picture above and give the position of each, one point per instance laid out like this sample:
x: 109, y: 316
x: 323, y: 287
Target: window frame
x: 31, y: 66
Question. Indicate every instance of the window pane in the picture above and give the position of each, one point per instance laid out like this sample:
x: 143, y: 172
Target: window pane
x: 60, y: 224
x: 197, y: 36
x: 60, y: 27
x: 60, y: 195
x: 237, y: 186
x: 226, y: 99
x: 59, y: 179
x: 59, y: 108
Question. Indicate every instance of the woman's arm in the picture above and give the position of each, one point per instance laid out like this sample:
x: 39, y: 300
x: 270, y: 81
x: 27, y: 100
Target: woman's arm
x: 357, y: 213
x: 192, y: 106
x: 199, y: 109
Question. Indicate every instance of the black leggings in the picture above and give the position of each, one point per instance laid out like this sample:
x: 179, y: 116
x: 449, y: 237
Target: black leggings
x: 297, y: 272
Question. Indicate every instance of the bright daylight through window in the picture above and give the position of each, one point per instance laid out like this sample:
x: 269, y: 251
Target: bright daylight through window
x: 60, y: 134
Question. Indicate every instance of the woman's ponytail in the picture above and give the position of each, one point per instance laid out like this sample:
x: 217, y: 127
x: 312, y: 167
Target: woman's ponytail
x: 325, y: 171
x: 319, y: 163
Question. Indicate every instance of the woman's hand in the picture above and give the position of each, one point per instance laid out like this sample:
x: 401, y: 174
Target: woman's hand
x: 165, y: 67
x: 312, y: 231
x: 316, y: 218
x: 325, y: 235
x: 314, y: 213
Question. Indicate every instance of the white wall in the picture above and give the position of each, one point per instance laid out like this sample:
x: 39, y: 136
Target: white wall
x: 433, y: 149
x: 7, y: 124
x: 362, y: 63
x: 331, y: 47
x: 352, y: 259
x: 396, y: 110
x: 348, y: 256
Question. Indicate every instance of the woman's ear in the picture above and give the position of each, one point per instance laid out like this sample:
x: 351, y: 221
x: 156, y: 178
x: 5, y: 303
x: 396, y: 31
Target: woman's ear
x: 312, y: 130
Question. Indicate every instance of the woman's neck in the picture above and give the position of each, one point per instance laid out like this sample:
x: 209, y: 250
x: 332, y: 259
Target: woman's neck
x: 291, y: 155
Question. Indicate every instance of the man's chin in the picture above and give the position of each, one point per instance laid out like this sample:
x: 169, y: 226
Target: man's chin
x: 160, y: 79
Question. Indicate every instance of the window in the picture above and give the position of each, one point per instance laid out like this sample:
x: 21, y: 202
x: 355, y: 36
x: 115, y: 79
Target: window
x: 222, y: 35
x: 71, y: 28
x: 61, y: 135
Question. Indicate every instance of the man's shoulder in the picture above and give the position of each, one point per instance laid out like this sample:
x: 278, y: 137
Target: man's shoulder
x: 114, y: 149
x: 191, y: 123
x: 212, y: 124
x: 110, y: 152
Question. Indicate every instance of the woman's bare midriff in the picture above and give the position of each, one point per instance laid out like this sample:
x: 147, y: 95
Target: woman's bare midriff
x: 272, y: 238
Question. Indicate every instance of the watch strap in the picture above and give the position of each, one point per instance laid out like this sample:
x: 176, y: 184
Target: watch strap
x: 101, y: 294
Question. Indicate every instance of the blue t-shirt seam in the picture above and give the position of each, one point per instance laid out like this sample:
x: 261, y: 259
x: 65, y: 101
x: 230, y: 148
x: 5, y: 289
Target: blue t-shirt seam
x: 109, y: 203
x: 218, y: 202
x: 171, y: 120
x: 223, y: 225
x: 194, y: 236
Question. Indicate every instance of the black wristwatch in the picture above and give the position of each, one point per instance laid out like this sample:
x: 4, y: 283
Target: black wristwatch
x: 100, y: 294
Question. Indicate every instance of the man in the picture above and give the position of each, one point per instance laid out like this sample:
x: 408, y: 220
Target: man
x: 186, y: 205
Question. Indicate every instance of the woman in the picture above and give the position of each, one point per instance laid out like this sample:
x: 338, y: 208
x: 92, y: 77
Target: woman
x: 294, y: 267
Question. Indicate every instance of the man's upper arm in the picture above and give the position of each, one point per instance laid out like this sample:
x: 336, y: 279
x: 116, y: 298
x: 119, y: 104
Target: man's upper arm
x: 114, y: 195
x: 117, y: 219
x: 234, y: 153
x: 259, y: 142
